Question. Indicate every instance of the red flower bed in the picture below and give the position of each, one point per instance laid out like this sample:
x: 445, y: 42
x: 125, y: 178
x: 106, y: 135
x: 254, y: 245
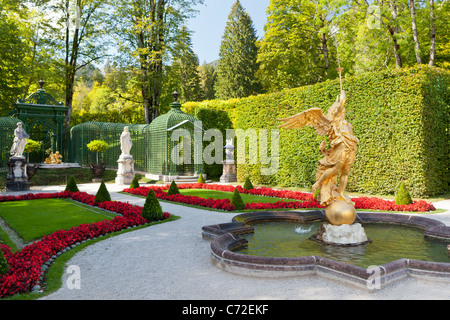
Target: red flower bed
x: 306, y: 200
x: 387, y: 205
x: 25, y: 266
x: 283, y: 205
x: 223, y: 204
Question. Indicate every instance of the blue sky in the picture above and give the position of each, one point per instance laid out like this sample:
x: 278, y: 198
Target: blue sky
x: 209, y: 24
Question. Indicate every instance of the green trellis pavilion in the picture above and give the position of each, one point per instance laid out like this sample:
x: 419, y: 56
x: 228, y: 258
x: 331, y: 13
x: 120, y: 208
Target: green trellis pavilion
x: 43, y: 119
x: 165, y: 149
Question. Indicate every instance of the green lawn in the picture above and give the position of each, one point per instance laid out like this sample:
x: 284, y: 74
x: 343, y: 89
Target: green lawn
x: 33, y: 219
x: 246, y: 198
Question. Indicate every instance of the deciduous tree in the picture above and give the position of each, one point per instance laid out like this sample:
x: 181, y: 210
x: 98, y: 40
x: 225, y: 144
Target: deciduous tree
x: 146, y: 31
x: 298, y: 46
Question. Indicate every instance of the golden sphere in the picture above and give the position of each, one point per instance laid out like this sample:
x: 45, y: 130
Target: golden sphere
x: 340, y: 212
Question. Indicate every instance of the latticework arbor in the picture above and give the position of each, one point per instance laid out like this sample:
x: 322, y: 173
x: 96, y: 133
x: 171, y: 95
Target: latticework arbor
x: 165, y: 147
x: 82, y: 134
x: 7, y: 126
x: 174, y: 149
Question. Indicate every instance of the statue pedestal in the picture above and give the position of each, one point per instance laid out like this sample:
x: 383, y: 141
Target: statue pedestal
x: 229, y: 171
x: 125, y: 172
x: 17, y: 179
x: 343, y: 235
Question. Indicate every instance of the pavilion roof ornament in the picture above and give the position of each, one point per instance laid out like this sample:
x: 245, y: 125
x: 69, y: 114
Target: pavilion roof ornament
x: 175, y: 95
x: 40, y: 97
x: 41, y: 83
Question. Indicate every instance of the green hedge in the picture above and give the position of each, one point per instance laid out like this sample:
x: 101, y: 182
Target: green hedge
x: 401, y: 117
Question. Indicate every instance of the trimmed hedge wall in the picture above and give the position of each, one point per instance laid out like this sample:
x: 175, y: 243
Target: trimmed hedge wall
x: 401, y: 117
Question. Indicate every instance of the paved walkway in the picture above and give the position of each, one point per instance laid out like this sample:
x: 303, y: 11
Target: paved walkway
x: 171, y: 261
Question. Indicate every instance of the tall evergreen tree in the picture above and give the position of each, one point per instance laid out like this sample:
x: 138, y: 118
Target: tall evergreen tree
x: 237, y: 57
x: 185, y: 67
x: 208, y: 78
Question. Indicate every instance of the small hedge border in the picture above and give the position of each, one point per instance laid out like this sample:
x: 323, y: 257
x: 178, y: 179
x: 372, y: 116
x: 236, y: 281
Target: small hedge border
x: 27, y: 265
x: 306, y: 200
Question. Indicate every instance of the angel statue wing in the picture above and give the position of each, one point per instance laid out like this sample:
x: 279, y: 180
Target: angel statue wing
x: 313, y: 117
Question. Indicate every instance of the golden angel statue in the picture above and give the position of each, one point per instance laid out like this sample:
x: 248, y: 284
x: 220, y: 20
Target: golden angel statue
x: 54, y: 158
x: 338, y: 159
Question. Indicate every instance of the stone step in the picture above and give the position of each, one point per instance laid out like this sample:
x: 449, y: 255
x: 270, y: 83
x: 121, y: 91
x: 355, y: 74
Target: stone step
x: 177, y: 179
x: 187, y: 180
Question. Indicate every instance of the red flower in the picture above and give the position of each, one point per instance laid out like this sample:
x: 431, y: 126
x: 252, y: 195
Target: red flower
x: 25, y: 266
x: 306, y: 200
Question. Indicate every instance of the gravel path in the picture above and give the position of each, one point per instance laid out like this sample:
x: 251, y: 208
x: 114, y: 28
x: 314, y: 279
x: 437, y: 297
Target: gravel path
x: 171, y: 261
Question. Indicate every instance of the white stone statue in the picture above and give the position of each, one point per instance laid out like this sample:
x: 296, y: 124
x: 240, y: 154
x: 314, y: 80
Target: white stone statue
x: 125, y: 171
x: 20, y: 141
x: 125, y: 142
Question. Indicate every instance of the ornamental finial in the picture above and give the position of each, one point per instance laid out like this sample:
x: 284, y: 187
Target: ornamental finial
x: 175, y: 95
x: 41, y: 83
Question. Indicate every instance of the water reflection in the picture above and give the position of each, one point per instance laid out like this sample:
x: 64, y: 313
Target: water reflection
x: 389, y: 243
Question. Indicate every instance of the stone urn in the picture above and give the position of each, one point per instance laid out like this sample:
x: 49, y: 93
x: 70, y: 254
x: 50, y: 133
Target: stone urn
x: 97, y: 170
x: 32, y: 169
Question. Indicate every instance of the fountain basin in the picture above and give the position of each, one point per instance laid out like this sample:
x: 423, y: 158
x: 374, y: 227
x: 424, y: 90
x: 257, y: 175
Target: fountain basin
x: 228, y: 239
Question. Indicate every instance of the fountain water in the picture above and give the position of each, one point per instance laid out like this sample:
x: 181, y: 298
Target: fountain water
x: 279, y: 244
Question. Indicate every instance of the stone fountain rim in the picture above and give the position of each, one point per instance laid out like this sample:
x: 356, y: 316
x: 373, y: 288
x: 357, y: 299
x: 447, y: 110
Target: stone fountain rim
x: 225, y: 238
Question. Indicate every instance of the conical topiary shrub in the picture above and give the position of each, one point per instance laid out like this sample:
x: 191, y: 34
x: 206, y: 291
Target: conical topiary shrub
x: 248, y: 184
x: 135, y: 183
x: 173, y: 189
x: 152, y: 209
x: 403, y: 196
x: 72, y: 185
x: 236, y: 200
x: 4, y: 267
x: 102, y: 194
x: 201, y: 179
